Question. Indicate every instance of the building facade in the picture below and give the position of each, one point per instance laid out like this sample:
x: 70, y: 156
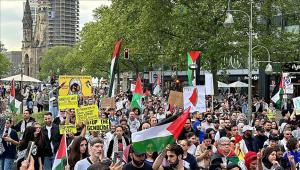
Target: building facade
x: 54, y: 23
x: 15, y: 58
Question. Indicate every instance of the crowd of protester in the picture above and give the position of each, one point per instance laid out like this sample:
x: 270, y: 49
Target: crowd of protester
x: 220, y: 138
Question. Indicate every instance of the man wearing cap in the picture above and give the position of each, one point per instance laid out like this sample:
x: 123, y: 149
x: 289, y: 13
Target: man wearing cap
x: 260, y: 137
x: 248, y: 139
x: 137, y: 161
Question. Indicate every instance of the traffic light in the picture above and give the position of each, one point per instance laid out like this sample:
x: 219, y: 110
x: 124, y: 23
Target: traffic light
x: 177, y: 84
x: 126, y: 54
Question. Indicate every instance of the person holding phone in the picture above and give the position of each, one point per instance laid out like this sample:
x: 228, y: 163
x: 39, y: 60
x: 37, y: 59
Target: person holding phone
x: 10, y: 141
x: 204, y: 152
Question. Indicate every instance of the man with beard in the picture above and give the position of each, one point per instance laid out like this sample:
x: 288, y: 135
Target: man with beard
x: 267, y: 127
x: 207, y: 123
x: 187, y: 128
x: 173, y: 153
x: 260, y: 138
x: 225, y: 131
x: 137, y: 161
x: 248, y: 139
x: 52, y: 139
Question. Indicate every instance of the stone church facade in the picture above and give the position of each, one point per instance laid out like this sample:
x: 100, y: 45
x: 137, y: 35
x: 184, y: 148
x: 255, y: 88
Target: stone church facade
x: 34, y: 45
x: 57, y: 24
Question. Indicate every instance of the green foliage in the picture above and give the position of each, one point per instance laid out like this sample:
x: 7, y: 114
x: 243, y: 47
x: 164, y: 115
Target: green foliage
x: 163, y: 31
x: 5, y: 65
x: 53, y: 62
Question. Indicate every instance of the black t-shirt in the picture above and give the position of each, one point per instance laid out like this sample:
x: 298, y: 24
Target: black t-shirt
x: 129, y: 166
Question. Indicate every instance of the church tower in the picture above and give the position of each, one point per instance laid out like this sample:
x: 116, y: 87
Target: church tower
x: 27, y: 27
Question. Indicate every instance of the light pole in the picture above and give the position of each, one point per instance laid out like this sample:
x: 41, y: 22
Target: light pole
x: 269, y: 68
x: 228, y: 22
x: 21, y: 88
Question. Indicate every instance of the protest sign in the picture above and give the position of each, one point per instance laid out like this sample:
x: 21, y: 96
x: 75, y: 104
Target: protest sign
x: 194, y: 96
x: 209, y: 84
x: 175, y: 98
x: 64, y: 129
x: 296, y: 102
x: 119, y: 105
x: 87, y: 113
x: 81, y: 85
x: 108, y: 103
x: 100, y: 125
x: 68, y: 102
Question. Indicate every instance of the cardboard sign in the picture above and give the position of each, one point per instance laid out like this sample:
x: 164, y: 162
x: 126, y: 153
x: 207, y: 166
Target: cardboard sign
x: 100, y: 125
x: 175, y: 98
x: 87, y: 113
x: 119, y: 105
x: 81, y: 85
x: 64, y: 129
x: 194, y: 96
x: 296, y: 102
x: 108, y: 103
x: 68, y: 102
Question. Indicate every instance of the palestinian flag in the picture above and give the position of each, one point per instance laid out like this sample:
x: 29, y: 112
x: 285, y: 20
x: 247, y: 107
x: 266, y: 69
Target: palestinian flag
x: 61, y: 155
x: 136, y: 101
x: 112, y: 67
x: 157, y: 89
x: 13, y: 104
x: 192, y: 56
x: 157, y: 138
x: 278, y: 97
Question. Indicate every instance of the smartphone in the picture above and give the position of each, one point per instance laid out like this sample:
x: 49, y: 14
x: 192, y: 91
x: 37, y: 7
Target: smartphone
x: 29, y: 150
x: 209, y: 147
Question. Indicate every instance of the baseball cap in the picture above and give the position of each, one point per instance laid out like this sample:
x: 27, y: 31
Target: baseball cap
x: 247, y: 127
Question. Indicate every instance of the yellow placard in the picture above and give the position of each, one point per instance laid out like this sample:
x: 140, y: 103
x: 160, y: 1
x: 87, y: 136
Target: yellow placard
x: 86, y: 113
x: 81, y: 85
x: 68, y: 102
x: 100, y: 125
x: 64, y: 129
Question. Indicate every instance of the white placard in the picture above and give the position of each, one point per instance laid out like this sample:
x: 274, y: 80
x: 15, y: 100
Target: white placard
x: 119, y: 105
x: 209, y: 84
x: 199, y: 91
x: 296, y: 102
x: 289, y: 89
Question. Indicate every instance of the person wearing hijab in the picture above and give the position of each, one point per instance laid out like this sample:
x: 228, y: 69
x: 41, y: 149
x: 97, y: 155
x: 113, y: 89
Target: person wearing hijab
x: 267, y: 159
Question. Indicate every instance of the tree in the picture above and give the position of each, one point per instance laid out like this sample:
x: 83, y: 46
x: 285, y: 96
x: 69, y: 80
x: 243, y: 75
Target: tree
x: 4, y: 65
x: 162, y: 32
x: 53, y: 61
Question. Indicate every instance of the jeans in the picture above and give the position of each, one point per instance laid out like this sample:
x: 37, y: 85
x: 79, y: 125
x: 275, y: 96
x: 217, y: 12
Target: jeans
x: 48, y: 162
x: 6, y: 164
x: 54, y: 111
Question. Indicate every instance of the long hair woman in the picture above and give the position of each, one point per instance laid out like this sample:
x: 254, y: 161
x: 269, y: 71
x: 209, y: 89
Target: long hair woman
x: 39, y: 141
x: 79, y: 150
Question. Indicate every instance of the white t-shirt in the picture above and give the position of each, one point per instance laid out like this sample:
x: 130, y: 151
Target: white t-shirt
x: 82, y: 164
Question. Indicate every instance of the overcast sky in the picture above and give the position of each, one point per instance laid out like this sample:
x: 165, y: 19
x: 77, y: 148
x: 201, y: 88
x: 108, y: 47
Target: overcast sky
x: 11, y: 14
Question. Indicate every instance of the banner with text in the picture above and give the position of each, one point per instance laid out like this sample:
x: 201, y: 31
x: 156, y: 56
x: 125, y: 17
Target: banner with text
x: 81, y: 85
x: 65, y: 129
x: 100, y: 125
x: 68, y: 102
x: 87, y: 113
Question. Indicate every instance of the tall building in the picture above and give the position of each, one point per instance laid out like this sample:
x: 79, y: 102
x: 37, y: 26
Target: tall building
x: 15, y: 58
x: 49, y: 23
x: 63, y: 22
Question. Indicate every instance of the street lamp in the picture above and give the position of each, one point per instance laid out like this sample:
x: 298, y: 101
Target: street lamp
x: 228, y: 22
x: 269, y: 68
